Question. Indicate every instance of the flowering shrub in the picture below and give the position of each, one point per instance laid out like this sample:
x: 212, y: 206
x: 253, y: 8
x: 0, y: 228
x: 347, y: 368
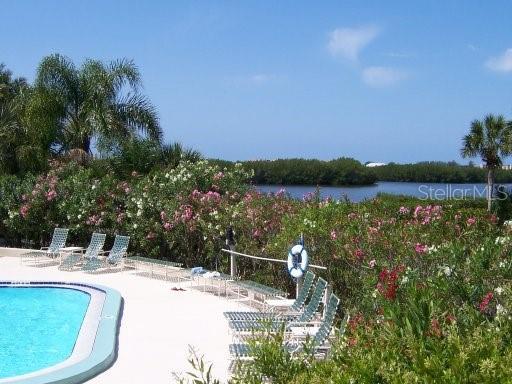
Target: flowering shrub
x: 428, y: 285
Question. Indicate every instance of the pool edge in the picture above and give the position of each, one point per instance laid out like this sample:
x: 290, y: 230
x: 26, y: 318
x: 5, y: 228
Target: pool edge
x: 104, y: 352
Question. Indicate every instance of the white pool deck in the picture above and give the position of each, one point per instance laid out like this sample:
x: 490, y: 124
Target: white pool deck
x: 158, y: 324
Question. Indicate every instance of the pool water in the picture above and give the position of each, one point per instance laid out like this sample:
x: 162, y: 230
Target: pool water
x: 38, y: 327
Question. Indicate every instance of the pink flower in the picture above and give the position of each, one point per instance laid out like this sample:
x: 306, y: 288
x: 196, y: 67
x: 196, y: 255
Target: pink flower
x: 420, y: 248
x: 120, y: 217
x: 372, y: 263
x: 281, y: 192
x: 218, y: 176
x: 471, y: 221
x: 359, y: 253
x: 163, y: 216
x: 168, y: 226
x: 94, y: 220
x: 24, y: 210
x: 50, y: 195
x: 404, y: 210
x: 333, y: 235
x: 256, y: 233
x: 485, y: 301
x: 196, y: 194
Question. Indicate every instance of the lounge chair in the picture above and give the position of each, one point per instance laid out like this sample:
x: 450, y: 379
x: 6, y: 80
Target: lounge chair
x: 92, y: 251
x: 292, y: 306
x: 114, y: 258
x: 319, y: 336
x: 59, y: 238
x: 276, y: 322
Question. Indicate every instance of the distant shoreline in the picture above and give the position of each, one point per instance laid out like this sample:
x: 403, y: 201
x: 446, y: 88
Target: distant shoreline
x: 345, y: 172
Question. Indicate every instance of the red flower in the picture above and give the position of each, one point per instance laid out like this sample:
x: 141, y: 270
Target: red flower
x: 485, y: 302
x: 388, y: 282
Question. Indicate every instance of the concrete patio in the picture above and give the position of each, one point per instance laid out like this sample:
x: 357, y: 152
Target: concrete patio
x: 158, y: 324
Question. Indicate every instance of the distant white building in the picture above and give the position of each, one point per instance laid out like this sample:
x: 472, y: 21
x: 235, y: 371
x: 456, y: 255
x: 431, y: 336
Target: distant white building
x: 373, y: 165
x: 507, y: 167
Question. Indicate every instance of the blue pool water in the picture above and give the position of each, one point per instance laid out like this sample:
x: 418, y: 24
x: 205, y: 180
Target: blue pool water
x: 38, y: 327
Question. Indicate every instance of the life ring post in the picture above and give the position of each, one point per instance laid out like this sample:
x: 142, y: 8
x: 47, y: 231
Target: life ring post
x: 230, y: 243
x: 298, y: 286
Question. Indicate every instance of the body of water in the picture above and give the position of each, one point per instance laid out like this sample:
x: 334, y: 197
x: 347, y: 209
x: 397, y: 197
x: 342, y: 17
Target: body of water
x: 360, y: 193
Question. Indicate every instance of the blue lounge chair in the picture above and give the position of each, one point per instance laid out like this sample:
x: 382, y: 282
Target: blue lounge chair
x: 114, y: 258
x: 92, y: 252
x: 58, y: 242
x: 244, y: 351
x: 292, y: 306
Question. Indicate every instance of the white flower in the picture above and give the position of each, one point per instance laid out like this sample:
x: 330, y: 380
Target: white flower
x: 447, y: 270
x: 135, y: 226
x: 79, y: 217
x: 93, y: 186
x: 433, y: 249
x: 498, y: 290
x: 405, y: 279
x: 502, y: 264
x: 508, y: 223
x: 500, y: 310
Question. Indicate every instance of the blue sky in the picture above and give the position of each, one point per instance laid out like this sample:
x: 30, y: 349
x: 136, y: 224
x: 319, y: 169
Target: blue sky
x: 378, y: 81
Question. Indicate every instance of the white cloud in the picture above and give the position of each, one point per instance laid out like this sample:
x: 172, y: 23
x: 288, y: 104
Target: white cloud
x: 382, y: 76
x: 501, y: 63
x: 348, y: 42
x: 260, y: 78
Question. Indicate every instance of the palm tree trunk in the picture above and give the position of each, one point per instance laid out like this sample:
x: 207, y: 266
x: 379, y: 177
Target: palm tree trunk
x: 490, y: 184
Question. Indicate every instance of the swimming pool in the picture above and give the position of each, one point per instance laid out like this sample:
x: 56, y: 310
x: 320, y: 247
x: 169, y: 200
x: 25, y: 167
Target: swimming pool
x: 55, y: 332
x: 38, y: 326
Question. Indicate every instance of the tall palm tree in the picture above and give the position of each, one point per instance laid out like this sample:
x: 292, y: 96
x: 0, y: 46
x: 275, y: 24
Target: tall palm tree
x: 491, y: 139
x: 96, y: 101
x: 19, y: 149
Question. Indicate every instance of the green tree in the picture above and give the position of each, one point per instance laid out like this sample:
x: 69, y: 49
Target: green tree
x: 19, y: 148
x: 96, y: 101
x: 491, y: 139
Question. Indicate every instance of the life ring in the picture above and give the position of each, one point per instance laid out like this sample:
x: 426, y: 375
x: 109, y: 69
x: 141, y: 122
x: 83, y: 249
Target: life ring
x: 297, y: 261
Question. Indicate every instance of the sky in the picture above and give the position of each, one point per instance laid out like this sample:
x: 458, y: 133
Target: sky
x: 375, y: 80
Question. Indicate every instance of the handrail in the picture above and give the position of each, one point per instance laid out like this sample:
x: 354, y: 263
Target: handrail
x: 267, y: 258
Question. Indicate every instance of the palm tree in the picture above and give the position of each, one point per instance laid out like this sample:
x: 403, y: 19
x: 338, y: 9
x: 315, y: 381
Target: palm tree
x: 94, y: 102
x: 174, y: 153
x: 19, y: 149
x: 491, y: 139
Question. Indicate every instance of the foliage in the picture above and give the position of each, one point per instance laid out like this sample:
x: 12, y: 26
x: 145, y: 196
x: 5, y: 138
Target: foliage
x: 146, y: 155
x: 491, y: 139
x: 427, y: 283
x: 201, y: 372
x: 436, y: 172
x: 96, y: 101
x: 428, y: 287
x: 342, y: 171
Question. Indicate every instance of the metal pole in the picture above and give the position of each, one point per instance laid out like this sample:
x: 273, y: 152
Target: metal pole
x: 298, y: 286
x: 230, y: 242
